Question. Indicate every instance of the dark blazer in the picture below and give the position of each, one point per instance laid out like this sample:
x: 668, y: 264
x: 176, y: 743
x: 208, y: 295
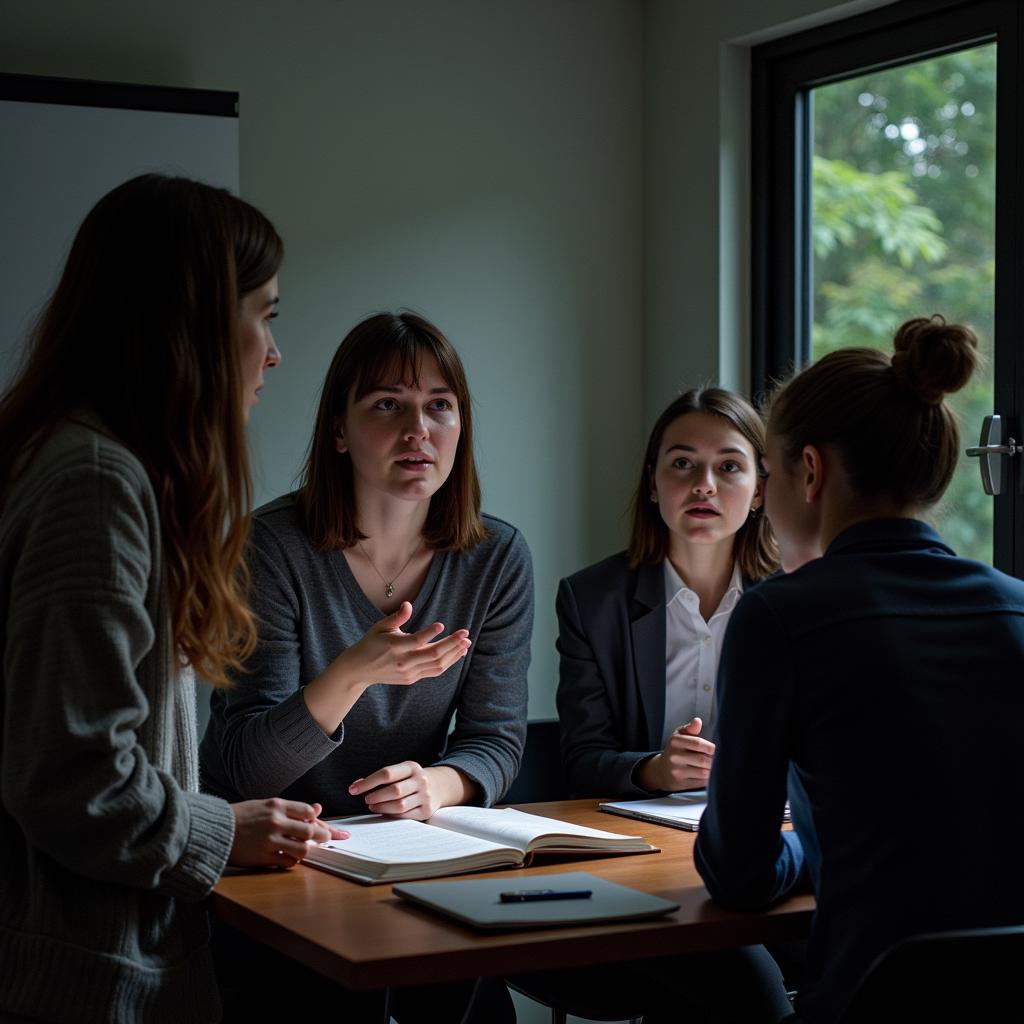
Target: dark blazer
x: 611, y: 687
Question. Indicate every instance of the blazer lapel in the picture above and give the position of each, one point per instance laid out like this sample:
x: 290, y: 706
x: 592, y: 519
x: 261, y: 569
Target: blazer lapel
x: 648, y: 633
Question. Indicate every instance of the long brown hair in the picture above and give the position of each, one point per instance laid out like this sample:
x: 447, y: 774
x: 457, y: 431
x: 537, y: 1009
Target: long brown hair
x: 754, y: 549
x: 884, y: 414
x: 142, y: 331
x: 388, y: 346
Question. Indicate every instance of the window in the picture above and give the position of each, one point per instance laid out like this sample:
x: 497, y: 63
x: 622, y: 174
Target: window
x: 878, y: 188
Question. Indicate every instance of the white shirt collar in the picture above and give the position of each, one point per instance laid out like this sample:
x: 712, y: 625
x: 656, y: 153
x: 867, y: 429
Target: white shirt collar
x: 676, y: 589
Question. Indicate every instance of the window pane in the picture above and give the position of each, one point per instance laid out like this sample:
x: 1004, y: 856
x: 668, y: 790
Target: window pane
x: 903, y: 225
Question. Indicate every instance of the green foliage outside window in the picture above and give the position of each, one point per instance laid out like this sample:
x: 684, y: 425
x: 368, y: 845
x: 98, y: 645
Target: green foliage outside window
x: 904, y: 225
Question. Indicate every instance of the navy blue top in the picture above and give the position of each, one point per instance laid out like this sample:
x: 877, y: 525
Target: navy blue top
x: 884, y: 679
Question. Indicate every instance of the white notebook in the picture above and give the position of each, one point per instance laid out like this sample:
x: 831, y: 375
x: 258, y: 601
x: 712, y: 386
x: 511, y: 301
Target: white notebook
x: 677, y: 810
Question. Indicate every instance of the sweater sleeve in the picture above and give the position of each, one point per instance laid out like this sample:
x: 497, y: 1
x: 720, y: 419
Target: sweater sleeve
x: 745, y: 860
x: 490, y: 720
x: 72, y: 770
x: 595, y: 763
x: 269, y: 739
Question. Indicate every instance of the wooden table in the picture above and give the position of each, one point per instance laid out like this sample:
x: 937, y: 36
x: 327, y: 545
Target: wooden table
x: 365, y: 938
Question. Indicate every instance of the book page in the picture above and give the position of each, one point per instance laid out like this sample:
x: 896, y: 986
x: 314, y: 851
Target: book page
x: 512, y: 827
x: 402, y: 841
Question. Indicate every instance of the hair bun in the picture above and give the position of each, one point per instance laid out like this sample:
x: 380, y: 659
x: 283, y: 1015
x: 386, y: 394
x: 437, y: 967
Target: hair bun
x: 933, y: 358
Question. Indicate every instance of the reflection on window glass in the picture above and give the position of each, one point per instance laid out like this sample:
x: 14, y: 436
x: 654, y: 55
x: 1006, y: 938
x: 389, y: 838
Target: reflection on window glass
x: 904, y: 225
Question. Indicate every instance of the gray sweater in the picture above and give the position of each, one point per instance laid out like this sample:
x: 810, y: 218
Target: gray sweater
x: 106, y: 847
x: 261, y: 737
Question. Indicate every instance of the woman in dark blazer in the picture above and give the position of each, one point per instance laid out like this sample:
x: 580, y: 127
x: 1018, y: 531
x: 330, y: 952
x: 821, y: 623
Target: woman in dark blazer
x: 638, y: 639
x: 640, y: 632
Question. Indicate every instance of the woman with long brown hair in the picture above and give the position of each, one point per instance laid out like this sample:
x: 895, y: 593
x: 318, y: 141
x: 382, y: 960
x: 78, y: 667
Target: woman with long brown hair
x: 124, y: 488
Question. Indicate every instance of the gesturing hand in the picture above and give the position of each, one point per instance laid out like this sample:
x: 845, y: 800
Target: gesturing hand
x: 387, y: 655
x: 685, y: 763
x: 383, y: 655
x: 275, y: 832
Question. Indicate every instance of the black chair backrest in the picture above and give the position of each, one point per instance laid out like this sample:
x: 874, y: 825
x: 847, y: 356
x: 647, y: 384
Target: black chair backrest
x: 969, y: 977
x: 540, y: 774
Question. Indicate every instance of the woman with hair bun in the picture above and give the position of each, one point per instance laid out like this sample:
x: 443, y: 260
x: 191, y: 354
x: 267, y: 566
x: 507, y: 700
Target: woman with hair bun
x: 875, y: 678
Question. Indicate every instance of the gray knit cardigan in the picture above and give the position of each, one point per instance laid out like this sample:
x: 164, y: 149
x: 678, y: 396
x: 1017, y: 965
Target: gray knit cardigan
x: 106, y: 847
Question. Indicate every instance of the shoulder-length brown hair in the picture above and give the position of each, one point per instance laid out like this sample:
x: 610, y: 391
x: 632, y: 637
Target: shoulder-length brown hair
x: 386, y: 347
x: 755, y: 549
x: 142, y: 330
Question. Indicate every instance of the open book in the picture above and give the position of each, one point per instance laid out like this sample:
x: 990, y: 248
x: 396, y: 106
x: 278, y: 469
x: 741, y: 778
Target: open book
x: 677, y: 810
x: 456, y: 840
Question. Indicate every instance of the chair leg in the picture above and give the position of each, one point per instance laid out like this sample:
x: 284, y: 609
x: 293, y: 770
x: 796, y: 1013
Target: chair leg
x: 472, y: 1000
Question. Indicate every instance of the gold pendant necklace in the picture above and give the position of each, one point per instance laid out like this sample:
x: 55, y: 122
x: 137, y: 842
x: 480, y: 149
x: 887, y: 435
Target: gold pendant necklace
x: 389, y: 585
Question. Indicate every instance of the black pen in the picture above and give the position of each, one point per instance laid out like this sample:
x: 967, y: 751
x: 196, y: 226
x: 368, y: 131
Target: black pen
x: 530, y: 895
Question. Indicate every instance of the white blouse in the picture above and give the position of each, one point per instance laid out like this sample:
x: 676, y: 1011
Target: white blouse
x: 692, y: 650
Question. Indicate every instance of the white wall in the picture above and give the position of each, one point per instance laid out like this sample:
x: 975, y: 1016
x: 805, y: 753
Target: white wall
x: 696, y: 183
x: 479, y: 161
x: 560, y: 184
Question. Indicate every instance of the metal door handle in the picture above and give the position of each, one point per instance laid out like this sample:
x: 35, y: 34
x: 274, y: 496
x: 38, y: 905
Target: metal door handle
x: 1011, y: 448
x: 991, y: 451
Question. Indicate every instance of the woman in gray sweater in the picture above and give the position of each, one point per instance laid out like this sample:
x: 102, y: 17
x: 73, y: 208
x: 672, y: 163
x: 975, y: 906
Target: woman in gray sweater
x: 378, y: 573
x: 354, y: 578
x: 124, y: 484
